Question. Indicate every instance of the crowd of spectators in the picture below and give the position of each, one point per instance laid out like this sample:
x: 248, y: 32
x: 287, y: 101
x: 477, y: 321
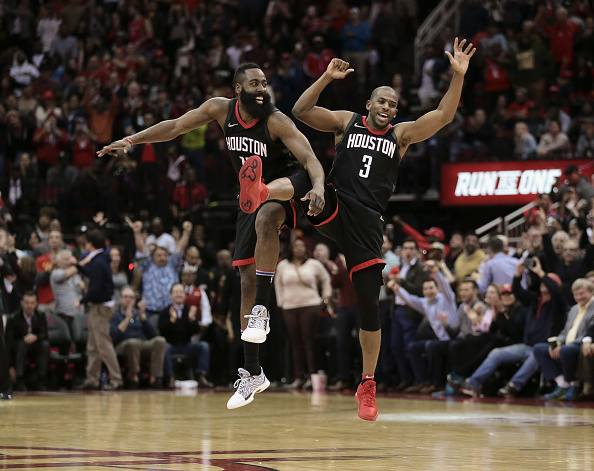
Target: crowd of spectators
x: 79, y: 74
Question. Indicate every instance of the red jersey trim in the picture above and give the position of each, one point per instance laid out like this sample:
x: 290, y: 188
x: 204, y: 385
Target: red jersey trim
x: 246, y: 261
x: 237, y: 115
x: 378, y: 133
x: 368, y: 263
x: 330, y: 218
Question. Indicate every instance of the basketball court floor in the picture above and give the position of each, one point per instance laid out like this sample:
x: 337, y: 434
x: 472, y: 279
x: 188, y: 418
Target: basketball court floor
x: 166, y: 431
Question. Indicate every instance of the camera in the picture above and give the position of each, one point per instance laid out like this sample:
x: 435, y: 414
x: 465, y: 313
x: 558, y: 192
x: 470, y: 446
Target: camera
x: 529, y: 262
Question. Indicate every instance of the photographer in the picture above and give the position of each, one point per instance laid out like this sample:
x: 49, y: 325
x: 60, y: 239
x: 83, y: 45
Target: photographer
x: 49, y: 141
x: 83, y: 143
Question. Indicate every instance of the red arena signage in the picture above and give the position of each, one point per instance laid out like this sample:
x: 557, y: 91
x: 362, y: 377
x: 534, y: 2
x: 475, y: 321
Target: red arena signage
x: 511, y: 183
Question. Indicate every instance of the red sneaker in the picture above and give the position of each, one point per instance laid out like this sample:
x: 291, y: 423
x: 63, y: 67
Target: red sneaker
x: 365, y: 397
x: 253, y: 191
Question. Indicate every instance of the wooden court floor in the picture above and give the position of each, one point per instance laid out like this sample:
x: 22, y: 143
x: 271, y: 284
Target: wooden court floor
x: 162, y: 431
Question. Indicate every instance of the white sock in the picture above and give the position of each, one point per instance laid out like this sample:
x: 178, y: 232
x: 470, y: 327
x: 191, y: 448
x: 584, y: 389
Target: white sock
x: 560, y: 380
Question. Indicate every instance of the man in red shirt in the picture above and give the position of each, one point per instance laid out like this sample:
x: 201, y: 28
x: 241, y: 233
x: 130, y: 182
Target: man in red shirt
x: 562, y: 33
x: 45, y: 266
x: 316, y: 62
x: 49, y: 141
x: 189, y: 196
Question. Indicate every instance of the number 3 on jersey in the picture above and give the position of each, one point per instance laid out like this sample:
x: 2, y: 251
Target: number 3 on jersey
x: 364, y: 172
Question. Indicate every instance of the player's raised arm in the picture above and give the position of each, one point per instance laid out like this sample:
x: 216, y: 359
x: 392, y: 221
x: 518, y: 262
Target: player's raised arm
x: 213, y: 109
x: 282, y: 127
x: 319, y: 118
x: 428, y: 124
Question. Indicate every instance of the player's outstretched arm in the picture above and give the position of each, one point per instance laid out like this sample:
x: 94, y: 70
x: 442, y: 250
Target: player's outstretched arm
x: 215, y: 108
x: 282, y: 127
x: 428, y: 124
x: 319, y: 118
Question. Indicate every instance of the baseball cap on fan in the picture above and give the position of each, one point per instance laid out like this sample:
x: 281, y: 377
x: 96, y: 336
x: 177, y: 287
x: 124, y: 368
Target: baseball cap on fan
x: 436, y: 232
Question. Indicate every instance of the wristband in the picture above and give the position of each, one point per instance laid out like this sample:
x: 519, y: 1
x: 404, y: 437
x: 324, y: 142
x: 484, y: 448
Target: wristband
x: 129, y: 140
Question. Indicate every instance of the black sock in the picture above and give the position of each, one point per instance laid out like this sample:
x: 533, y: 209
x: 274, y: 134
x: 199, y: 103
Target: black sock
x: 251, y: 357
x: 263, y: 285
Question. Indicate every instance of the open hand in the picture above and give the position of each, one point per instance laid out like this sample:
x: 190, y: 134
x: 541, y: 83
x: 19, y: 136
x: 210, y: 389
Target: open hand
x: 459, y: 61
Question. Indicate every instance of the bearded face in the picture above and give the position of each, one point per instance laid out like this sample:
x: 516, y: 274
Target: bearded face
x: 257, y: 105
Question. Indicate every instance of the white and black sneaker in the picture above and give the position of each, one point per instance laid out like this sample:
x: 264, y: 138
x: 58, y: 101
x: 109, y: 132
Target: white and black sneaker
x: 247, y: 386
x: 258, y: 325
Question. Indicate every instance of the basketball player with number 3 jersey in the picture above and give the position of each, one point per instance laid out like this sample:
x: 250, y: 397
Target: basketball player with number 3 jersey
x: 286, y: 162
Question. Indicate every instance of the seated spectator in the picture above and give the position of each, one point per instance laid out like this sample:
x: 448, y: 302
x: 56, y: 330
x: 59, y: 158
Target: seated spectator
x: 525, y: 143
x: 22, y: 71
x: 499, y: 269
x: 196, y: 296
x: 26, y: 340
x: 67, y: 286
x: 585, y: 143
x: 135, y: 339
x: 559, y: 362
x: 581, y: 183
x: 518, y: 109
x: 193, y: 260
x: 554, y: 144
x: 546, y: 313
x: 478, y: 134
x: 178, y: 323
x: 160, y: 270
x: 438, y: 306
x: 585, y: 369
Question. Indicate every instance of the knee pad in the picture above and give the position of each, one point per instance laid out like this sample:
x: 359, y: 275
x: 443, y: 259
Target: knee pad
x: 367, y: 283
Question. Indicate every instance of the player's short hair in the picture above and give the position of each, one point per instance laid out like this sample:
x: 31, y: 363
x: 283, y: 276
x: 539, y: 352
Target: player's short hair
x: 240, y: 71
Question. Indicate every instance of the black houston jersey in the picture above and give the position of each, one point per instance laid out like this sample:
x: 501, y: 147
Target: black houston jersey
x: 244, y: 140
x: 366, y: 164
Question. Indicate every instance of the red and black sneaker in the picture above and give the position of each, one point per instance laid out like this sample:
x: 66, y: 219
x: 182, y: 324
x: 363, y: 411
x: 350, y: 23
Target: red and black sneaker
x: 365, y: 397
x: 253, y: 191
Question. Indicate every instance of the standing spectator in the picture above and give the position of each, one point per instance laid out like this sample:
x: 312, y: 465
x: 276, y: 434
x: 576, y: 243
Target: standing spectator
x: 386, y: 368
x: 160, y: 270
x: 101, y: 111
x: 5, y: 386
x: 26, y: 338
x: 48, y: 26
x: 533, y: 66
x: 83, y: 145
x: 64, y: 45
x: 135, y: 339
x: 68, y: 288
x: 22, y: 71
x: 355, y: 38
x: 49, y: 141
x: 121, y: 274
x: 585, y: 143
x: 518, y: 109
x: 559, y: 363
x: 159, y: 237
x: 468, y: 261
x: 318, y: 58
x: 302, y: 287
x: 189, y: 197
x: 5, y: 270
x: 582, y: 185
x: 406, y: 320
x: 562, y: 33
x: 500, y: 267
x: 178, y: 323
x: 45, y: 265
x: 554, y: 144
x: 99, y: 299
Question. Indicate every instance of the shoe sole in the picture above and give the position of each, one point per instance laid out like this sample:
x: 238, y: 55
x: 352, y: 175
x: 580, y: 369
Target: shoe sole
x: 249, y: 177
x: 362, y: 416
x: 259, y: 389
x: 249, y: 335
